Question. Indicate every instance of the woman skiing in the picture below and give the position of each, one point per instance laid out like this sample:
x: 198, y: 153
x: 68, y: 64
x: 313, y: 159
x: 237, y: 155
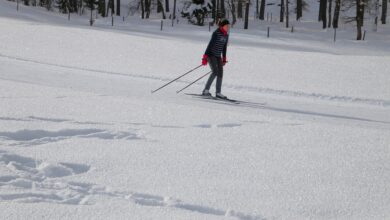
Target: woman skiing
x: 215, y: 55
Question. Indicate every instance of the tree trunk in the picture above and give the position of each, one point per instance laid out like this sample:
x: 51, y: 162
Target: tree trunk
x: 376, y: 15
x: 218, y: 11
x: 166, y: 5
x: 287, y: 14
x: 233, y: 9
x: 384, y: 11
x: 91, y: 21
x: 299, y: 9
x: 282, y: 11
x: 359, y: 18
x: 142, y: 9
x: 323, y: 12
x: 239, y: 9
x: 102, y: 8
x: 111, y: 6
x: 214, y: 10
x: 222, y: 6
x: 174, y: 9
x: 246, y: 15
x: 118, y: 7
x: 320, y: 11
x: 160, y: 8
x: 262, y: 9
x: 148, y: 4
x: 330, y: 14
x: 336, y: 14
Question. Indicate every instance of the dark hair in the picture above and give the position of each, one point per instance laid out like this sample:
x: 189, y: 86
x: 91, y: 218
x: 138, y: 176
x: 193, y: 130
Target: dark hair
x: 223, y: 22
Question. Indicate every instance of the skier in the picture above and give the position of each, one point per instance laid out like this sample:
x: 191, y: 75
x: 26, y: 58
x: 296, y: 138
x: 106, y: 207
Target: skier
x: 216, y: 48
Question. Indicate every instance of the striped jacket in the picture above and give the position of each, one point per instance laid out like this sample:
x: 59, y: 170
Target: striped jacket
x: 218, y: 44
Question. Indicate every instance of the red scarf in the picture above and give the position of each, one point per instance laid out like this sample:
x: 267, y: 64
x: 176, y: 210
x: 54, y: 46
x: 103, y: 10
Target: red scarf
x: 223, y: 31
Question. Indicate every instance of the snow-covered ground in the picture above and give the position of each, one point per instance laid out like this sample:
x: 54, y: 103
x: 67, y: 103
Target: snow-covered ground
x: 82, y: 137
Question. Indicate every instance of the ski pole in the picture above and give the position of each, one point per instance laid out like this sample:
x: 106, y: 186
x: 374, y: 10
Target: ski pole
x: 194, y: 82
x: 176, y: 79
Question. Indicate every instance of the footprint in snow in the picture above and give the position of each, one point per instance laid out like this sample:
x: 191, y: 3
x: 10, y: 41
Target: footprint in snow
x: 33, y: 181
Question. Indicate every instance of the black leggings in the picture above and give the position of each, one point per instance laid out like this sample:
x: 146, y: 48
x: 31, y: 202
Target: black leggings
x: 217, y: 71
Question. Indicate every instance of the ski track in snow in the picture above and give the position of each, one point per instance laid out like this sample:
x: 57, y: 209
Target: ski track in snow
x: 288, y: 93
x: 27, y: 137
x: 31, y: 181
x: 296, y: 111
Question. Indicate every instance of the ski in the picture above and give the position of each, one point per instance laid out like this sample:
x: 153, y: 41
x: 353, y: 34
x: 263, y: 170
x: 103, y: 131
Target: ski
x: 213, y: 98
x: 228, y: 100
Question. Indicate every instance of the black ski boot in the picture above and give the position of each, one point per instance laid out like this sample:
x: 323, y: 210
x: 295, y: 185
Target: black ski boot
x: 206, y: 92
x: 220, y: 96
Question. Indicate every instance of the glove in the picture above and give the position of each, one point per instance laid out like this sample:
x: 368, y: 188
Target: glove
x: 224, y: 61
x: 204, y: 60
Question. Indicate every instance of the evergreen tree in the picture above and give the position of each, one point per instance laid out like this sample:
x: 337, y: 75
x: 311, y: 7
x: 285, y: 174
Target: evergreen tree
x: 299, y: 9
x: 91, y: 5
x: 63, y: 6
x: 196, y: 11
x: 73, y: 6
x: 102, y: 8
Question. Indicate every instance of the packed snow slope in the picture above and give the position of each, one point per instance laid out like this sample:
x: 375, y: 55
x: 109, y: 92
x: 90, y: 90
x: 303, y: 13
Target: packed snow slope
x: 82, y: 137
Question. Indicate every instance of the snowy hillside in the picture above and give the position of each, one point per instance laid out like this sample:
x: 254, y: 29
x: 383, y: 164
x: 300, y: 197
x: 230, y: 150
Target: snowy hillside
x: 82, y: 137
